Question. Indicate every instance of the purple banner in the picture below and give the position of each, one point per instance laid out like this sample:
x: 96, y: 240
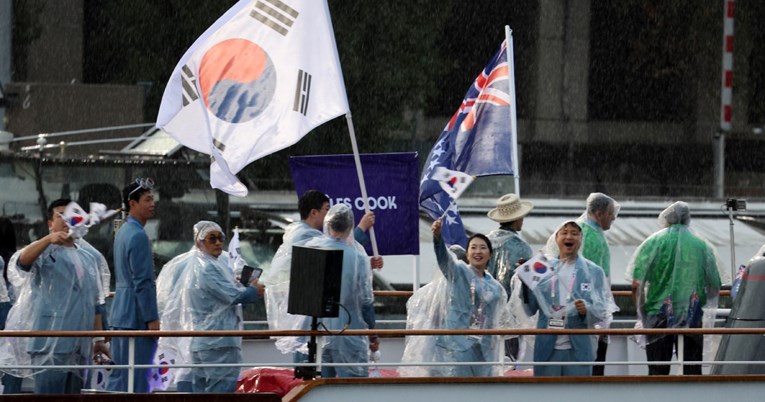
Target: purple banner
x: 392, y: 186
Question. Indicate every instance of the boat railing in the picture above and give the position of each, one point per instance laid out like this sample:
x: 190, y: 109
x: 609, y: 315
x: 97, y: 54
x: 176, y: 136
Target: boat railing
x: 383, y: 333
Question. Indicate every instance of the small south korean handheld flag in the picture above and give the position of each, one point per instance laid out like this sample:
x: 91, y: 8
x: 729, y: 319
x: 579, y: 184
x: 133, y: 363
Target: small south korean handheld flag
x: 453, y: 182
x: 235, y: 260
x: 533, y: 271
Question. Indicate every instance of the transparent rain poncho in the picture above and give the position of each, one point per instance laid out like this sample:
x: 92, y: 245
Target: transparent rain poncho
x: 197, y: 292
x: 554, y: 300
x: 678, y: 275
x: 173, y: 349
x: 104, y: 275
x: 277, y: 282
x: 5, y: 295
x: 456, y: 298
x: 57, y: 292
x: 356, y: 296
x: 508, y: 247
x: 759, y: 254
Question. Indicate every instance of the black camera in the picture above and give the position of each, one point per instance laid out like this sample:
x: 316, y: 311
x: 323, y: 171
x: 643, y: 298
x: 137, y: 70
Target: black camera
x: 735, y: 205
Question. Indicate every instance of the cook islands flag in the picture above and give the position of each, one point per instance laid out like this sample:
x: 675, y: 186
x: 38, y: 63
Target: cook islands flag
x: 259, y: 79
x: 477, y: 141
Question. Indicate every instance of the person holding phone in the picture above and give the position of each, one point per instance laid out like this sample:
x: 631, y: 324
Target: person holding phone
x: 205, y: 296
x: 249, y: 273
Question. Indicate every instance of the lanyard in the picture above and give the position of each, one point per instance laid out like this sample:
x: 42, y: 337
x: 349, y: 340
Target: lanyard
x: 472, y: 288
x: 570, y: 287
x: 477, y: 319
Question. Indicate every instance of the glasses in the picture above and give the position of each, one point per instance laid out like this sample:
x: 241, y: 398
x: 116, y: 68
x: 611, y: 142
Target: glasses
x: 146, y: 183
x: 214, y: 238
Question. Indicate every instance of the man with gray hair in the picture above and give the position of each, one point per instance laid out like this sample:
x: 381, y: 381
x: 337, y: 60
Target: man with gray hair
x: 674, y: 274
x: 597, y: 218
x: 355, y: 296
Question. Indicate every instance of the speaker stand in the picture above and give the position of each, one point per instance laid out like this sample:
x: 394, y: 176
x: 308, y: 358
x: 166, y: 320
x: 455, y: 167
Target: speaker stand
x: 309, y: 372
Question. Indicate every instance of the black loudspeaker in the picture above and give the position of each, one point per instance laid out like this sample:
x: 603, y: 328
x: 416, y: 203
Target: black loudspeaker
x: 315, y: 279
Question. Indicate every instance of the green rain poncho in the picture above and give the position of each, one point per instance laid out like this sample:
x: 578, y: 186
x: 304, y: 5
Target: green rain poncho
x: 676, y: 273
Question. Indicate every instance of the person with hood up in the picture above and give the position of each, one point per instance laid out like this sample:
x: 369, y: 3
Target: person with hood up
x: 313, y: 207
x: 574, y: 296
x: 675, y: 282
x: 465, y: 297
x: 206, y: 297
x: 355, y: 296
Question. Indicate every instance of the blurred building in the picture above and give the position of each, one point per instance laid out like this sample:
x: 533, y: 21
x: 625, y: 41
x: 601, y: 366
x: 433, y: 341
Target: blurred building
x: 621, y: 97
x: 52, y: 96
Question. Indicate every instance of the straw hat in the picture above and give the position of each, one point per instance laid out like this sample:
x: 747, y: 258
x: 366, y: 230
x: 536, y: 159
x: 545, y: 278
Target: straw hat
x: 510, y: 208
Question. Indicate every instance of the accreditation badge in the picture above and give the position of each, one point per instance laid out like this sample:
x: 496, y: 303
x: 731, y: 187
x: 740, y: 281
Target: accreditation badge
x: 558, y: 318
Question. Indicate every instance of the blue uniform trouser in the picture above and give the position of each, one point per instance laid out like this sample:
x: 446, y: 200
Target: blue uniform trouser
x: 344, y: 356
x: 101, y: 309
x: 58, y: 381
x: 11, y: 384
x: 184, y: 386
x: 145, y: 347
x: 5, y: 307
x: 216, y: 379
x: 562, y: 355
x: 472, y: 354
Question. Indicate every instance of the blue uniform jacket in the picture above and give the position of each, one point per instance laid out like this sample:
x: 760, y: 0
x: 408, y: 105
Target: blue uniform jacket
x: 135, y: 299
x: 460, y: 308
x: 589, y: 285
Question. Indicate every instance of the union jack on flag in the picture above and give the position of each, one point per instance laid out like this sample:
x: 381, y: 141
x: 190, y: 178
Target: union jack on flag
x: 477, y: 140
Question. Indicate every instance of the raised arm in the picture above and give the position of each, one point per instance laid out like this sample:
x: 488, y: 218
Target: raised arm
x: 31, y: 252
x: 447, y: 263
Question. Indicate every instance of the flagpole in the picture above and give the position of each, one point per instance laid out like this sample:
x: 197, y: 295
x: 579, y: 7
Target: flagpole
x: 451, y: 204
x: 513, y: 116
x: 363, y: 185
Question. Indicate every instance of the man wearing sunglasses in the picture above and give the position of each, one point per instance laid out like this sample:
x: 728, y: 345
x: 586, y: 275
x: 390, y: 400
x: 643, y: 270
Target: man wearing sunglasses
x: 135, y: 299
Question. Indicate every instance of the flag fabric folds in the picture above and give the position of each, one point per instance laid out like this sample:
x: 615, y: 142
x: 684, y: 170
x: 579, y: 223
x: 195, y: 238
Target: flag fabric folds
x: 477, y: 141
x: 259, y: 79
x: 235, y: 260
x: 452, y: 181
x: 533, y: 271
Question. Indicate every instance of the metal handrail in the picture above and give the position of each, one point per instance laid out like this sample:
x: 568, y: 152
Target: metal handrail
x: 408, y: 293
x: 386, y: 333
x: 392, y: 333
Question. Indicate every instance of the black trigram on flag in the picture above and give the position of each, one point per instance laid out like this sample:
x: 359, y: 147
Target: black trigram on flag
x: 302, y: 92
x: 221, y: 146
x: 189, y: 85
x: 275, y: 15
